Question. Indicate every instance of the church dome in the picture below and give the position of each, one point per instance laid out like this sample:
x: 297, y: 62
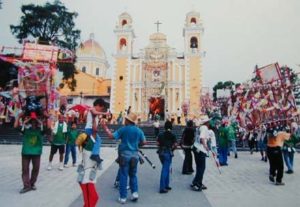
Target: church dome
x: 158, y: 37
x: 91, y: 48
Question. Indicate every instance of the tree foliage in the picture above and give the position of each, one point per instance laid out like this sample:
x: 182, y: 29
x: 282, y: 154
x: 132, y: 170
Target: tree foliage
x: 223, y: 85
x: 51, y: 23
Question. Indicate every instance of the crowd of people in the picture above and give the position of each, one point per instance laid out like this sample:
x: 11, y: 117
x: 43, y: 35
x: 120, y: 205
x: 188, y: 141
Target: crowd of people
x: 203, y: 137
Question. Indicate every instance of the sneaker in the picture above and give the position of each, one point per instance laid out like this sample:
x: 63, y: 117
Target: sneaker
x: 33, y: 187
x: 187, y: 173
x: 96, y: 158
x: 271, y: 178
x: 168, y: 188
x: 25, y: 190
x: 74, y: 165
x: 163, y: 191
x: 49, y: 166
x: 122, y: 200
x: 289, y: 172
x: 135, y: 197
x: 203, y: 187
x: 279, y: 183
x: 195, y: 188
x: 66, y: 166
x: 61, y: 167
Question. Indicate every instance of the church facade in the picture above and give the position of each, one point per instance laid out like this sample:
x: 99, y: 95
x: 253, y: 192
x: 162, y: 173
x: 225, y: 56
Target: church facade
x: 158, y: 79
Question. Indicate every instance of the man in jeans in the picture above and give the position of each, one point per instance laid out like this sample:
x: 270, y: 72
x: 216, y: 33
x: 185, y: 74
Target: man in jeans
x: 131, y: 137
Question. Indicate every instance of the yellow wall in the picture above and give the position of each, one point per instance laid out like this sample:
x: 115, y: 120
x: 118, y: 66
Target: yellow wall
x: 120, y: 85
x: 195, y: 84
x: 88, y: 85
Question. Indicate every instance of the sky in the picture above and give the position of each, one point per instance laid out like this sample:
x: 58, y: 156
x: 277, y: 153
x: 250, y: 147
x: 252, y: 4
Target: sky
x: 238, y: 34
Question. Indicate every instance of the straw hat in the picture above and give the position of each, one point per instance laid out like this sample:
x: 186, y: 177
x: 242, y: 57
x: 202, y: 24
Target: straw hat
x: 132, y: 117
x: 204, y: 119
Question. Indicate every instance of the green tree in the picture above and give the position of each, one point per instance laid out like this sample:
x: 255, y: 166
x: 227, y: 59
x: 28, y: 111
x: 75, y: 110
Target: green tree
x: 51, y: 23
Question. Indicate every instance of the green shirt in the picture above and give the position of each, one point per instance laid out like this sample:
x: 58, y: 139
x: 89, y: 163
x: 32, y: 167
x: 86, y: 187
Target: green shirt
x: 223, y: 136
x: 89, y: 144
x: 32, y: 142
x: 72, y: 136
x: 292, y: 141
x: 231, y: 133
x: 59, y: 138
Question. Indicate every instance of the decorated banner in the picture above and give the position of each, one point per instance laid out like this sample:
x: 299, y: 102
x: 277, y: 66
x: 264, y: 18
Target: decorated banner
x: 269, y: 73
x: 38, y: 52
x: 267, y: 98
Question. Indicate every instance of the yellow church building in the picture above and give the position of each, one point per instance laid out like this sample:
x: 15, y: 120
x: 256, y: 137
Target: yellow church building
x: 92, y: 82
x: 158, y: 80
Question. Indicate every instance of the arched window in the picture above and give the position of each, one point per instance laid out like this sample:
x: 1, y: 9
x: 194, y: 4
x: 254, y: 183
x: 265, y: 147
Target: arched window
x: 97, y: 71
x: 122, y: 43
x: 194, y: 42
x: 124, y: 22
x: 83, y: 69
x: 193, y: 20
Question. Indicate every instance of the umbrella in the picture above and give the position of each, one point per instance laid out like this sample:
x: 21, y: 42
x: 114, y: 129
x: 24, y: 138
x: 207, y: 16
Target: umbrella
x: 81, y: 108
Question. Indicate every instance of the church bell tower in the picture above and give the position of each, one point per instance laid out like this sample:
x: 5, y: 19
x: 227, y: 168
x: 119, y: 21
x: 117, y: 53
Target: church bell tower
x: 120, y: 78
x: 192, y: 32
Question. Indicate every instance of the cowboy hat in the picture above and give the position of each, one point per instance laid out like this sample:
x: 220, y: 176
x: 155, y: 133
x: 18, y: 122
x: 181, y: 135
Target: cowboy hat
x: 132, y: 117
x: 204, y: 119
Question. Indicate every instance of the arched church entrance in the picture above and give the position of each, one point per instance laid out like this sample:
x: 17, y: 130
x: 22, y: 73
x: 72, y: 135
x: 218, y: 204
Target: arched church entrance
x: 157, y: 108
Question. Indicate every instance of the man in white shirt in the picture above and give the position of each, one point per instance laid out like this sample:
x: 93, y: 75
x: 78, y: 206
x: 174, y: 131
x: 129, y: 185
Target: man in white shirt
x: 200, y: 150
x: 156, y: 127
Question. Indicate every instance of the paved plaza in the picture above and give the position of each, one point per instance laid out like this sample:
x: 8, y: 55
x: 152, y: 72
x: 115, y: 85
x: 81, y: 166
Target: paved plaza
x: 243, y: 183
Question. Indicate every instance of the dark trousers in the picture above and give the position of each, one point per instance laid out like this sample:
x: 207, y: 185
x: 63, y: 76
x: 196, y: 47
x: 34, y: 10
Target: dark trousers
x: 28, y: 180
x: 70, y: 148
x: 253, y: 143
x: 156, y: 131
x: 188, y: 161
x: 276, y: 162
x: 178, y: 120
x: 200, y: 168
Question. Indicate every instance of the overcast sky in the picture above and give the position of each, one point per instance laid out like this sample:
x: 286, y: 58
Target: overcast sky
x: 238, y: 33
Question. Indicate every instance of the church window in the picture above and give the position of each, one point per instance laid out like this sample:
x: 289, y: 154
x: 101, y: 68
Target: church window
x: 97, y: 71
x: 83, y: 69
x: 124, y: 22
x: 194, y: 42
x: 193, y: 20
x: 122, y: 43
x: 108, y: 89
